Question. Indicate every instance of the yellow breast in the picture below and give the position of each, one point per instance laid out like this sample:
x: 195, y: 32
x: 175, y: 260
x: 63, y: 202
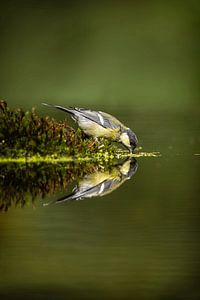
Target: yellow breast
x: 96, y: 130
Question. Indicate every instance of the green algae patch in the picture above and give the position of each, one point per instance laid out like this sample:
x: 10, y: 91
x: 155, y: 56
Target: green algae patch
x: 67, y: 159
x: 137, y: 153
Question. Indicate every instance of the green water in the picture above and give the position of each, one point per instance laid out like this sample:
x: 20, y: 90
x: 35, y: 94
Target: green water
x: 141, y: 241
x: 137, y: 60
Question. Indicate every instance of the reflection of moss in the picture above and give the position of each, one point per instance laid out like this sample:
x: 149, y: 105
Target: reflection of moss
x: 20, y: 183
x: 24, y: 134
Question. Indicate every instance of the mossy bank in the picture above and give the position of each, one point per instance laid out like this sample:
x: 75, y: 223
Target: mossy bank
x: 27, y: 135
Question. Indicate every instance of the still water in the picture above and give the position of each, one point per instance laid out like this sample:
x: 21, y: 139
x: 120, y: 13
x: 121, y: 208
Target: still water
x: 140, y: 241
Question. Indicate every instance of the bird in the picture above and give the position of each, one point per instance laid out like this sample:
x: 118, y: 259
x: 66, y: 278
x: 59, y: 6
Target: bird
x: 102, y: 183
x: 99, y: 124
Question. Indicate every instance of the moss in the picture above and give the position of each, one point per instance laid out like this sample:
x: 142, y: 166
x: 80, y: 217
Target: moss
x: 25, y: 134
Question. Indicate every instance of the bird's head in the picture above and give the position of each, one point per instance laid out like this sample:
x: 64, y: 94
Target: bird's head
x: 129, y: 167
x: 129, y: 139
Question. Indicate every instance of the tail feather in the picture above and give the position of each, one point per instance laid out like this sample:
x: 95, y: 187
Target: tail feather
x: 66, y: 198
x: 69, y: 110
x: 69, y: 197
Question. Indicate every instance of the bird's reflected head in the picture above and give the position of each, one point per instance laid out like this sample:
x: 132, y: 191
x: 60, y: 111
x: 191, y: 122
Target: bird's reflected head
x: 129, y: 167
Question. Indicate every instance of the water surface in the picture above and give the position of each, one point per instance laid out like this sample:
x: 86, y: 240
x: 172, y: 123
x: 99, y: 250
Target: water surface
x: 140, y: 241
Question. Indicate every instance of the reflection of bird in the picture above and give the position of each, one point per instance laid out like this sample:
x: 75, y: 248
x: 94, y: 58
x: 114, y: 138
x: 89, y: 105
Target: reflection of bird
x: 101, y: 124
x: 102, y: 183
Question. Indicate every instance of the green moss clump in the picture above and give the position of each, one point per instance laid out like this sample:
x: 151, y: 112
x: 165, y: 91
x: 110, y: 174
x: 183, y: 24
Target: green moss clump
x: 25, y: 134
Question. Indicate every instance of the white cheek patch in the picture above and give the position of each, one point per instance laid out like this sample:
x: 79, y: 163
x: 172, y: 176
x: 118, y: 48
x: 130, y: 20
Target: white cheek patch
x: 125, y: 139
x: 125, y: 168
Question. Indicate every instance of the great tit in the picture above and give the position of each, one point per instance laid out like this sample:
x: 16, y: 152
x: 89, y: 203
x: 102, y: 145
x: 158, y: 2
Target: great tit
x: 103, y: 182
x: 100, y: 124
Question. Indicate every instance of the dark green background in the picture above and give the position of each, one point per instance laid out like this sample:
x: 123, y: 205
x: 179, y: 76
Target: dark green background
x: 121, y: 53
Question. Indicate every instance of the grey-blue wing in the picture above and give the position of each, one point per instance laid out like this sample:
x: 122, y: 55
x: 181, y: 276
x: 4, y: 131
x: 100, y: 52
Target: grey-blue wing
x: 100, y: 189
x: 102, y: 119
x: 89, y: 191
x: 82, y: 192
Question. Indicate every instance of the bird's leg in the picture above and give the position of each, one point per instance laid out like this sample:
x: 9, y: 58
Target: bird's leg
x: 95, y: 140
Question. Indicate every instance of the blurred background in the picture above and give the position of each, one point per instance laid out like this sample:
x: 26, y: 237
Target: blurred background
x: 142, y: 54
x: 138, y: 60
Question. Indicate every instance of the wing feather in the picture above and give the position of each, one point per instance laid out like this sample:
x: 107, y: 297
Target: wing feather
x: 103, y: 119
